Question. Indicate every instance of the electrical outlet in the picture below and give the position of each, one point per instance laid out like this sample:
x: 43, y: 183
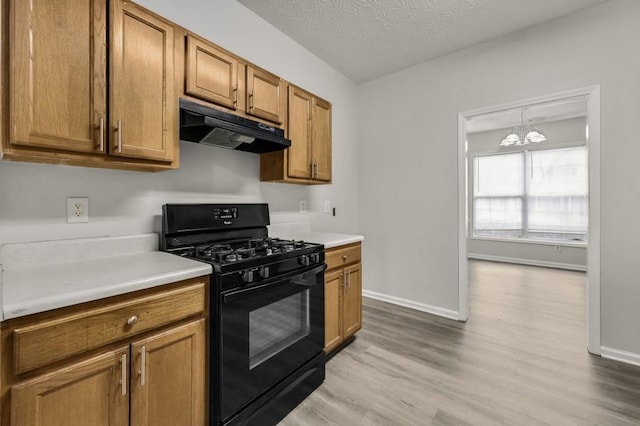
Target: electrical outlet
x: 557, y: 249
x: 303, y: 206
x: 327, y: 206
x: 77, y: 209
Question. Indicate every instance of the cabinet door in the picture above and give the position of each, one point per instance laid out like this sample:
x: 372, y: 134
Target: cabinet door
x: 58, y: 76
x: 212, y: 74
x: 264, y: 95
x: 352, y: 300
x: 168, y: 378
x: 86, y: 393
x: 143, y: 97
x: 321, y: 140
x: 332, y: 310
x: 299, y: 123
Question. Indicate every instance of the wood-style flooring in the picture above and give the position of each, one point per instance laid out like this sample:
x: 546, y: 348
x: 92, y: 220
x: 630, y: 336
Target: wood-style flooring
x: 521, y: 359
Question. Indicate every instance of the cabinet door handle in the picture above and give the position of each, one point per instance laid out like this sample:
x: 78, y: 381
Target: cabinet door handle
x: 119, y: 130
x: 132, y: 320
x: 235, y: 96
x: 101, y: 130
x: 251, y: 102
x: 123, y: 379
x: 348, y: 279
x: 143, y: 365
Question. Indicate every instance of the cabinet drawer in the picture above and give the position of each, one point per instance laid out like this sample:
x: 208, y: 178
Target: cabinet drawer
x: 67, y: 334
x: 340, y: 256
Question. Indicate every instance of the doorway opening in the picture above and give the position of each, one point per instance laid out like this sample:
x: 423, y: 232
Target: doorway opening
x: 514, y: 211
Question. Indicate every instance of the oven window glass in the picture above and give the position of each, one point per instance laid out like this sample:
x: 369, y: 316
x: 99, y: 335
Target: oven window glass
x: 277, y: 326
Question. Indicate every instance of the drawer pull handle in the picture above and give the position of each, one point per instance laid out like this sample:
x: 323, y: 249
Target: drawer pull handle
x: 133, y: 320
x: 344, y: 257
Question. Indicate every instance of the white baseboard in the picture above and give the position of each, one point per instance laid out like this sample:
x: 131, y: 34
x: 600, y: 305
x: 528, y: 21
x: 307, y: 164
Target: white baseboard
x: 546, y: 264
x: 618, y: 355
x: 447, y: 313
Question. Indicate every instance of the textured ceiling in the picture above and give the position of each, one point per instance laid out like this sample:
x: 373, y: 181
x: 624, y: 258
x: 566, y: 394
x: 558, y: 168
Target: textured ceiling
x: 365, y: 39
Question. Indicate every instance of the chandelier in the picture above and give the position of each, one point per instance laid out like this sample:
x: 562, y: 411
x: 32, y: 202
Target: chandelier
x: 523, y: 134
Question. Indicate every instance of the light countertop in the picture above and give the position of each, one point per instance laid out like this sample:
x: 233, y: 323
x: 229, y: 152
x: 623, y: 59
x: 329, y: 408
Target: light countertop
x: 28, y: 289
x: 329, y: 240
x: 37, y: 277
x: 302, y: 231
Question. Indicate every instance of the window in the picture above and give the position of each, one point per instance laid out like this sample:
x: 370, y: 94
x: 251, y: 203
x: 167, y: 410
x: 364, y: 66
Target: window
x: 537, y: 195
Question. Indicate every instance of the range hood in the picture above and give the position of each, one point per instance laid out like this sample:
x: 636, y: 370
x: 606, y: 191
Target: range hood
x: 209, y: 126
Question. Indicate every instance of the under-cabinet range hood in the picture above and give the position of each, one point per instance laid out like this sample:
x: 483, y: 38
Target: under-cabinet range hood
x: 209, y: 126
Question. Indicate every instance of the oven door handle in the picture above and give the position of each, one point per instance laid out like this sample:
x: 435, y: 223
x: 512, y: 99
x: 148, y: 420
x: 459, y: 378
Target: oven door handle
x: 275, y: 282
x: 316, y: 270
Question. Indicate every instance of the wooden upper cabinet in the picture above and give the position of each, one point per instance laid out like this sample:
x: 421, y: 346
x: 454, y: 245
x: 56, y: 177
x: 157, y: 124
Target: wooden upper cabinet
x: 265, y: 95
x: 308, y: 159
x: 86, y: 393
x: 58, y: 77
x: 321, y: 140
x: 143, y: 102
x: 69, y: 105
x: 212, y: 74
x: 299, y: 131
x: 168, y: 383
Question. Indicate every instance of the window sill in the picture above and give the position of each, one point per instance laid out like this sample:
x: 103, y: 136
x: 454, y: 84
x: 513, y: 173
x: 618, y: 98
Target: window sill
x: 538, y: 242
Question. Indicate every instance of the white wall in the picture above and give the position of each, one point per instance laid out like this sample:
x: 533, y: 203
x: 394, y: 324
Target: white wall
x: 408, y: 133
x: 33, y: 196
x: 561, y: 134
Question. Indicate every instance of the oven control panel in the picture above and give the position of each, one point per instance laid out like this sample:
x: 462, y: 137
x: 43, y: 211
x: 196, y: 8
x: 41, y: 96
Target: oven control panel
x: 225, y: 213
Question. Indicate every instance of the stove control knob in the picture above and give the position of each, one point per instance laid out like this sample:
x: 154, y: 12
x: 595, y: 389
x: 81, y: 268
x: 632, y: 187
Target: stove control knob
x: 304, y: 260
x: 315, y: 257
x: 247, y: 276
x: 264, y: 272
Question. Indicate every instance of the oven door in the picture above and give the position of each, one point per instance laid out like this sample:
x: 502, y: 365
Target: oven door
x: 267, y: 332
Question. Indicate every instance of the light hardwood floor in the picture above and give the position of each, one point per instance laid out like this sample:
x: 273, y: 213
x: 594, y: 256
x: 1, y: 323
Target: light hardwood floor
x: 521, y: 359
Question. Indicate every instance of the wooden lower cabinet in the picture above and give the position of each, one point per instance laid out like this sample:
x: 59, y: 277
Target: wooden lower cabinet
x: 352, y: 300
x: 333, y: 334
x: 168, y: 377
x: 150, y: 369
x: 88, y: 392
x: 343, y: 295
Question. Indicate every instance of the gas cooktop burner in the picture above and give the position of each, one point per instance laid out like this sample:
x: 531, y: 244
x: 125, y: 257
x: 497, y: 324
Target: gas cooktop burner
x: 236, y: 251
x: 213, y: 250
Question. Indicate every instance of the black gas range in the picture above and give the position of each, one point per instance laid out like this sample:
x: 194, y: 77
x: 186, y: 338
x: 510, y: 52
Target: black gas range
x: 267, y: 309
x: 249, y: 261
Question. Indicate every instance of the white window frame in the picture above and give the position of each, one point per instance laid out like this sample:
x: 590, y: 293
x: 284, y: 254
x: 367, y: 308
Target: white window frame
x: 524, y: 200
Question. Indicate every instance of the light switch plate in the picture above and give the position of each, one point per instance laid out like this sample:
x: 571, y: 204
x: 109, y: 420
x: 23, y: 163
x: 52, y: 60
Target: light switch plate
x: 303, y: 206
